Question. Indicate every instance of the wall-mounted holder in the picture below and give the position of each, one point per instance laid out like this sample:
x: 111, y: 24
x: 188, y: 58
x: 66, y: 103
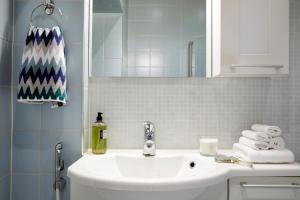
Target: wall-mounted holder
x: 60, y: 182
x: 49, y: 7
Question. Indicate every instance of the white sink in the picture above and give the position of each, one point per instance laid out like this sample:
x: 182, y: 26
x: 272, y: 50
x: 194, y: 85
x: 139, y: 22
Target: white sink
x: 138, y: 168
x: 128, y: 175
x: 160, y: 168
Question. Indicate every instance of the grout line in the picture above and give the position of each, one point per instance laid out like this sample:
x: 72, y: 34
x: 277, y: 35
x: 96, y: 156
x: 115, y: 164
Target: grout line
x: 32, y: 173
x: 5, y: 86
x: 38, y: 131
x: 19, y: 43
x: 4, y: 39
x: 4, y: 176
x: 40, y: 151
x: 11, y: 102
x: 15, y: 87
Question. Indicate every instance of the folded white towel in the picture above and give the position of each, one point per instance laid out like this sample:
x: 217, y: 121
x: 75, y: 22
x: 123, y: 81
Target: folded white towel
x: 273, y: 131
x: 255, y: 135
x: 254, y: 144
x: 277, y: 143
x: 269, y: 156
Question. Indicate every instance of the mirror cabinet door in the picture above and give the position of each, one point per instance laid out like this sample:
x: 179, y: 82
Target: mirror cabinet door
x: 250, y: 38
x: 148, y: 38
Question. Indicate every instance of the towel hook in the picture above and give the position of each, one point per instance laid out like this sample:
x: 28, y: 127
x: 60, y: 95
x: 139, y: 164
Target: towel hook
x: 49, y: 6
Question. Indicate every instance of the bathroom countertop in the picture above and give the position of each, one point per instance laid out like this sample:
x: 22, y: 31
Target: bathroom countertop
x: 288, y: 169
x: 232, y: 170
x: 129, y: 169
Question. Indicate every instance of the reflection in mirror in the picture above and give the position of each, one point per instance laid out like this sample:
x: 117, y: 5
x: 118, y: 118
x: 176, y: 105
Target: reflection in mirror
x: 148, y: 38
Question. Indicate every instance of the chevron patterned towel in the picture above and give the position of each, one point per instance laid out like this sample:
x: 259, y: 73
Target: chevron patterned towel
x: 43, y: 75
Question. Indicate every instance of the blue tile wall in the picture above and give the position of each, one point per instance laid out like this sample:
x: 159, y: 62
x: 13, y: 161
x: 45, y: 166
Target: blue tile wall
x: 25, y: 186
x: 37, y: 128
x: 26, y: 152
x: 68, y: 118
x: 5, y: 96
x: 5, y: 188
x: 6, y: 20
x: 5, y: 62
x: 71, y: 139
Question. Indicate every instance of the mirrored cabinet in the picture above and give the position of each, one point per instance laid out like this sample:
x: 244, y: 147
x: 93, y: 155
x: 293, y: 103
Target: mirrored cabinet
x: 138, y: 38
x: 250, y: 38
x: 189, y: 38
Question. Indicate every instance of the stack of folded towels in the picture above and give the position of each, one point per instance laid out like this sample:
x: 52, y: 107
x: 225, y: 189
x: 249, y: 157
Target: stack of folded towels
x: 263, y: 144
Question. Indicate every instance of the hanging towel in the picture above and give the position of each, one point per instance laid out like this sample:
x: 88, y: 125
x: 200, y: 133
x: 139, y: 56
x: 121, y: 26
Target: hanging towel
x: 257, y: 145
x: 43, y: 74
x: 277, y: 143
x: 255, y: 135
x: 269, y: 156
x: 273, y: 131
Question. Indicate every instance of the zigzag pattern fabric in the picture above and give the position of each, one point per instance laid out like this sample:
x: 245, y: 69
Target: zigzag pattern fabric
x: 43, y: 74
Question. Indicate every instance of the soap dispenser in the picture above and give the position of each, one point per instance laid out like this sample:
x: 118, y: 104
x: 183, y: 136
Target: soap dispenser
x: 99, y: 136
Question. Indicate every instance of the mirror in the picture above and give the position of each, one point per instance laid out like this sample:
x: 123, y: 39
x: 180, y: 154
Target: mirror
x: 148, y: 38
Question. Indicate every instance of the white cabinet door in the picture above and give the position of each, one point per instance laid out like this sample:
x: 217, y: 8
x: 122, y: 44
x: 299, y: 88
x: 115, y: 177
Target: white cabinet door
x: 264, y: 188
x: 214, y: 192
x: 250, y: 38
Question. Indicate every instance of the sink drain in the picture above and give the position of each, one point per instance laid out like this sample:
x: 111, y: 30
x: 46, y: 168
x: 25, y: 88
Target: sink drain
x: 192, y: 164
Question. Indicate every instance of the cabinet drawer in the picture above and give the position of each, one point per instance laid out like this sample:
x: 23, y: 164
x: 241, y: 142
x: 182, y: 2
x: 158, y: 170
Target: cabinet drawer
x: 264, y: 188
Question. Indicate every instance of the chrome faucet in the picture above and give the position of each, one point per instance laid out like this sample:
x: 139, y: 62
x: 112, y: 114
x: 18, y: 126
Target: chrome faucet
x: 149, y: 135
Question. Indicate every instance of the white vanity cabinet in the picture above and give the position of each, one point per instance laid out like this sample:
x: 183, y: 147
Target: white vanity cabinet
x: 250, y: 38
x: 264, y: 188
x: 214, y: 192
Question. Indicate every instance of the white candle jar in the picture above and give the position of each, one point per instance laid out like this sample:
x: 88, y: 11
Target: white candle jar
x: 208, y: 145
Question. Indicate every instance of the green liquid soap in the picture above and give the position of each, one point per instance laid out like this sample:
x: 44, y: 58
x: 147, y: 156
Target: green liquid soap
x: 99, y: 136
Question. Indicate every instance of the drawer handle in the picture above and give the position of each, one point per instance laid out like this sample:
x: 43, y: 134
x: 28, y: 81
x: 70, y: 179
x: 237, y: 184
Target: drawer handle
x: 257, y: 66
x: 292, y: 185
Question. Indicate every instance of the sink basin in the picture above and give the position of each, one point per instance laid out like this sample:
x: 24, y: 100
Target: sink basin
x: 129, y: 175
x: 139, y: 168
x: 160, y: 168
x: 149, y: 168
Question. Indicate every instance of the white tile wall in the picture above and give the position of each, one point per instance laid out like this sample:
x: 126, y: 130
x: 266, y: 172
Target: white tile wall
x: 158, y: 37
x: 182, y: 109
x: 107, y: 44
x: 185, y: 109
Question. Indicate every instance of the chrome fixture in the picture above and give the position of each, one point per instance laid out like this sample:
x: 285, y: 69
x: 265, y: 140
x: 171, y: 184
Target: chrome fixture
x: 49, y: 7
x: 292, y: 185
x: 149, y: 133
x: 190, y: 58
x: 60, y: 182
x: 257, y: 66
